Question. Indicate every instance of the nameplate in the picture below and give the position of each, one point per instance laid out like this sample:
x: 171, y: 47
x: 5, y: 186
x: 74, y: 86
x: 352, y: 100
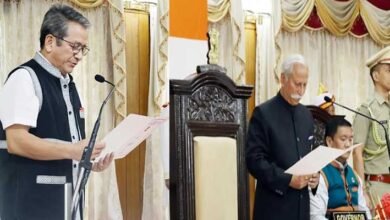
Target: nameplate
x: 356, y: 215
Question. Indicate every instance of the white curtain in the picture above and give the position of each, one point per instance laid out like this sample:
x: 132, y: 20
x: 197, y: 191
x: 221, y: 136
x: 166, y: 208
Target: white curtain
x: 19, y: 40
x: 227, y: 17
x: 156, y: 194
x: 266, y: 79
x: 338, y: 62
x: 268, y: 25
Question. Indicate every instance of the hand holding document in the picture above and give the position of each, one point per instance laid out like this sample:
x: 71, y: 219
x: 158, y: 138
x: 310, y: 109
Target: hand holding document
x: 317, y: 159
x: 129, y: 134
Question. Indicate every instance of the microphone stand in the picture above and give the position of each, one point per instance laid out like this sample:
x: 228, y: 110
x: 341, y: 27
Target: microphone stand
x: 85, y: 164
x: 327, y: 99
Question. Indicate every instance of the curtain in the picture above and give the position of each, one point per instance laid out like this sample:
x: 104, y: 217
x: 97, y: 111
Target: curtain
x: 156, y: 194
x: 266, y: 78
x: 87, y: 3
x: 117, y: 35
x: 295, y: 13
x: 340, y: 17
x: 337, y: 62
x: 227, y: 18
x: 18, y: 44
x: 3, y: 68
x: 268, y: 25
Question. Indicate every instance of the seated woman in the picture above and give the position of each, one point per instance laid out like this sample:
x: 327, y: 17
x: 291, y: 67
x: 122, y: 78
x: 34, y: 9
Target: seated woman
x: 339, y: 188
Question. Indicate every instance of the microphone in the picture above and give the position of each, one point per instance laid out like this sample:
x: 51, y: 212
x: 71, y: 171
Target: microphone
x: 101, y: 79
x: 327, y: 99
x: 85, y: 162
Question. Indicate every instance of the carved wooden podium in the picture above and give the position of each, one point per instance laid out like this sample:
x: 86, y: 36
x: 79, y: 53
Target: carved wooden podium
x: 207, y: 104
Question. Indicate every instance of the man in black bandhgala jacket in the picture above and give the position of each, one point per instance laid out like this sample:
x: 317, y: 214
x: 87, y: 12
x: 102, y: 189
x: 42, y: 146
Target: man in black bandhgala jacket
x: 280, y: 133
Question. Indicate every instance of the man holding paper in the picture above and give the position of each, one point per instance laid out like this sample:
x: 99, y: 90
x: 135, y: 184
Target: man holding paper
x: 42, y: 132
x: 340, y: 188
x: 281, y: 133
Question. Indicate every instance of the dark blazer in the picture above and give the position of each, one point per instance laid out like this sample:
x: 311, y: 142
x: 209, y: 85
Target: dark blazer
x: 278, y: 136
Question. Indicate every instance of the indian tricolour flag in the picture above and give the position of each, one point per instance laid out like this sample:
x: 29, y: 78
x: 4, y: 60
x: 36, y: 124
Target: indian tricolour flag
x: 187, y: 42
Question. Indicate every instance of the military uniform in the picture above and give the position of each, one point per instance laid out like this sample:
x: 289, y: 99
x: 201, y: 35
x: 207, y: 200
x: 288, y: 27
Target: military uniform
x: 371, y: 134
x: 375, y: 154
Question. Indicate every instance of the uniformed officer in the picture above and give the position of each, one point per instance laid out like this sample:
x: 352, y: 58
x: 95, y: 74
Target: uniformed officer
x: 372, y: 160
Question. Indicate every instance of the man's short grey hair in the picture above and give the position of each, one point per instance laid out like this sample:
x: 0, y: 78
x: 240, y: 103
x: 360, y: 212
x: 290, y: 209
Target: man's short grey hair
x: 288, y: 64
x: 56, y: 22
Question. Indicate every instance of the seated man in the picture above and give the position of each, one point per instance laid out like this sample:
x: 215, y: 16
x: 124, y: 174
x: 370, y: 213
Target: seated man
x: 339, y: 188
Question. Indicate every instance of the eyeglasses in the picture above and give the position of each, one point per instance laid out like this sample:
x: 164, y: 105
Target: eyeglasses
x: 76, y: 47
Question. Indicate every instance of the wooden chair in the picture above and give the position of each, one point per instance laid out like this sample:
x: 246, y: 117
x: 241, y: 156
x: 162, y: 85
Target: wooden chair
x: 208, y: 175
x: 320, y: 118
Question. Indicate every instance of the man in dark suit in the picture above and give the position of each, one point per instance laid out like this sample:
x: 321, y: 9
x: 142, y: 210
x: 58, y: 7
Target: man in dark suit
x: 280, y: 133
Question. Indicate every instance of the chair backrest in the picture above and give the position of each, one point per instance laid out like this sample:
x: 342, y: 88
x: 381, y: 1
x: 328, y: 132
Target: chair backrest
x: 320, y: 118
x: 207, y: 133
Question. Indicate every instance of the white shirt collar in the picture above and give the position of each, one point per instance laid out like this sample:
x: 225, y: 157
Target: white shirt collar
x: 41, y: 60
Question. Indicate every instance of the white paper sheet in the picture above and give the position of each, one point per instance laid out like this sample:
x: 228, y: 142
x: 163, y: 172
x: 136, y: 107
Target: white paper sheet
x: 317, y: 159
x: 129, y: 134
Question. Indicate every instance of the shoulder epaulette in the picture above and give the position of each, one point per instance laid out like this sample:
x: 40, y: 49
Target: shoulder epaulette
x: 367, y: 103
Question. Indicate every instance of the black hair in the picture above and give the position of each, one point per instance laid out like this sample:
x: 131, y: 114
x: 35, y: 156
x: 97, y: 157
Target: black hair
x: 333, y: 124
x: 56, y: 22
